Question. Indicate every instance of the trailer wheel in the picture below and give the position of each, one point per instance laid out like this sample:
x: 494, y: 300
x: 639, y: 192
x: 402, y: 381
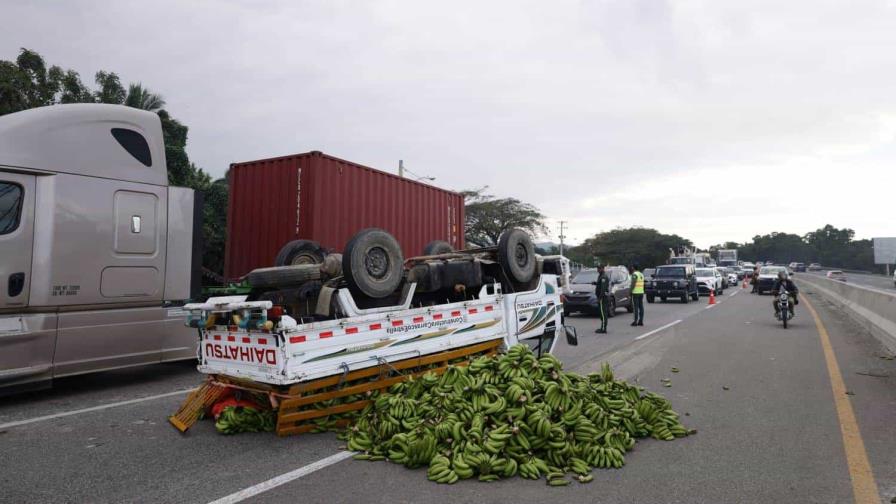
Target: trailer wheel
x: 283, y: 276
x: 437, y: 247
x: 373, y: 263
x: 517, y: 255
x: 300, y: 252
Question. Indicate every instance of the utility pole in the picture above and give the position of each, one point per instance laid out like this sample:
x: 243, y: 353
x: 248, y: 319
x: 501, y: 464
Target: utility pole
x: 562, y: 237
x: 401, y: 168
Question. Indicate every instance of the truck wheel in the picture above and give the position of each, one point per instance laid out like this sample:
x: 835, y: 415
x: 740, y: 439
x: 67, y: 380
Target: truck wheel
x: 300, y: 252
x: 437, y: 247
x: 372, y: 263
x: 283, y: 276
x: 517, y: 255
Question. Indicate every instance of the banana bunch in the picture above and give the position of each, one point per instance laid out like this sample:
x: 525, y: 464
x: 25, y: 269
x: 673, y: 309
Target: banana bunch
x: 513, y: 414
x: 237, y: 419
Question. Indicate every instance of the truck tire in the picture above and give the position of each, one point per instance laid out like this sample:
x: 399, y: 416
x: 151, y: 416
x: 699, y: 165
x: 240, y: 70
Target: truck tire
x: 283, y: 276
x: 437, y: 247
x: 300, y: 252
x: 373, y: 264
x: 516, y: 254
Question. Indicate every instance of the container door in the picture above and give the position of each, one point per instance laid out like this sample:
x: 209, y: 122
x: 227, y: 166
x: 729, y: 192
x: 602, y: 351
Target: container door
x: 16, y: 236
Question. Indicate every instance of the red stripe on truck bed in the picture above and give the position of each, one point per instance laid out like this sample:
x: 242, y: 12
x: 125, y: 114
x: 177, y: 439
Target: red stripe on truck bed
x: 328, y: 334
x: 374, y: 327
x: 437, y: 316
x: 396, y: 323
x: 351, y: 330
x: 296, y: 339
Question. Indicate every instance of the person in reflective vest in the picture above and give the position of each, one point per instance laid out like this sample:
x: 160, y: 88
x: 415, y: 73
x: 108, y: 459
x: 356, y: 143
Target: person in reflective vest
x: 602, y: 290
x: 637, y: 294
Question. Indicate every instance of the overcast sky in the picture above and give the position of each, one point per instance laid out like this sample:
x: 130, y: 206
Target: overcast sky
x: 713, y: 120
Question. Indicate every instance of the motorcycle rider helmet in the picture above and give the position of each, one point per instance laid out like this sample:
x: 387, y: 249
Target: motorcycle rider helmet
x: 782, y: 275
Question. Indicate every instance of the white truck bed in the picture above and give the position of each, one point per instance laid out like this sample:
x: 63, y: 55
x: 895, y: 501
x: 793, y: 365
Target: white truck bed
x: 286, y: 355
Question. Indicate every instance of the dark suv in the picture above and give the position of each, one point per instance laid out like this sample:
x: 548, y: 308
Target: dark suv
x: 582, y: 298
x: 675, y: 281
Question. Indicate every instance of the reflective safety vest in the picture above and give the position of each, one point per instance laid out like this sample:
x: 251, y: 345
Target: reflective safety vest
x: 639, y: 283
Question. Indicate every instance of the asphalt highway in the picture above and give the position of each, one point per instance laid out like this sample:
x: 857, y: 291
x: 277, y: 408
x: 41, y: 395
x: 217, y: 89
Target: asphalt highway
x: 765, y: 402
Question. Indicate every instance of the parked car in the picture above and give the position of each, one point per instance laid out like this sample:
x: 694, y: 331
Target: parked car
x: 583, y: 299
x: 709, y: 279
x: 673, y: 280
x: 814, y: 267
x: 837, y: 275
x: 768, y: 275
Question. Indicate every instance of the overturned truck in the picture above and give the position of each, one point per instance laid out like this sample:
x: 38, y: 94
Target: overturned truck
x: 323, y: 320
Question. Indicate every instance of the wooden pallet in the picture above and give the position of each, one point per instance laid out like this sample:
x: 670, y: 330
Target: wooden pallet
x: 297, y: 411
x: 196, y: 403
x: 296, y: 404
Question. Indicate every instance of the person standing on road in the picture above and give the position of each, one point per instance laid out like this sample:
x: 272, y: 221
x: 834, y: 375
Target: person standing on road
x: 637, y: 294
x: 754, y: 280
x: 602, y: 290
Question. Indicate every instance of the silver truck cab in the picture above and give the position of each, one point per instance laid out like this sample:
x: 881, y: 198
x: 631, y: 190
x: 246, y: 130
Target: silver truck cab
x: 97, y: 252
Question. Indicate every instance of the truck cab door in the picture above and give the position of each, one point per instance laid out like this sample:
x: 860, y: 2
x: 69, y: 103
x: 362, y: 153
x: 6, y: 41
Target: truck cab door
x: 27, y: 340
x: 16, y: 237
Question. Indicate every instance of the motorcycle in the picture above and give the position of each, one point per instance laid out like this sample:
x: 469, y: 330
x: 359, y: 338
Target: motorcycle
x: 784, y: 312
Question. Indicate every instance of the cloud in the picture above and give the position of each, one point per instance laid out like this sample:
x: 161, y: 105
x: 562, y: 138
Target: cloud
x: 690, y: 117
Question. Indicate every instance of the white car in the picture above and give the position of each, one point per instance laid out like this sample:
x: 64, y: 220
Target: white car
x: 709, y: 279
x: 732, y: 279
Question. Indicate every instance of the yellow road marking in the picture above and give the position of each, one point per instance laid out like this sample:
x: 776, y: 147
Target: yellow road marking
x: 864, y: 488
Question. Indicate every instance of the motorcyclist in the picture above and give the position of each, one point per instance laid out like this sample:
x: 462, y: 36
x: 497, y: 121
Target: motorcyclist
x: 784, y: 282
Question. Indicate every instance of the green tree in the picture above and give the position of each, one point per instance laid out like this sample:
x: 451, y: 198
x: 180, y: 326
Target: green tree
x: 642, y: 246
x: 142, y: 98
x: 487, y: 217
x: 28, y: 83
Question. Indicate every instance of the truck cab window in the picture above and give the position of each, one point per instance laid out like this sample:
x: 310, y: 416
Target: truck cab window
x: 10, y: 206
x: 134, y: 143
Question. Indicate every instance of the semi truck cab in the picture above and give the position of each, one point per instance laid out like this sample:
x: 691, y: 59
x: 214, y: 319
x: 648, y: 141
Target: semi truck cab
x: 98, y: 251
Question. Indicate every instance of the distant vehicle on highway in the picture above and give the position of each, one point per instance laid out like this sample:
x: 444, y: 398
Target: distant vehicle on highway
x: 837, y: 275
x: 673, y: 280
x: 732, y: 278
x: 709, y: 279
x: 800, y: 267
x: 768, y: 275
x: 814, y: 267
x: 583, y: 299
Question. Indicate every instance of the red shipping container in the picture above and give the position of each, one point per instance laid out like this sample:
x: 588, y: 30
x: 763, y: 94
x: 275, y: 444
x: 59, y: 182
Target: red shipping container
x: 319, y: 197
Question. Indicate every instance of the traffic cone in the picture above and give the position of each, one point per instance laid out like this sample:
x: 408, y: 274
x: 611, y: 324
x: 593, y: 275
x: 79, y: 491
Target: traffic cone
x: 712, y: 296
x: 745, y: 282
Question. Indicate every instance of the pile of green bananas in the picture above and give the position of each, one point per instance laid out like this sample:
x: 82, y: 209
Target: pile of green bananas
x: 509, y: 415
x: 237, y: 419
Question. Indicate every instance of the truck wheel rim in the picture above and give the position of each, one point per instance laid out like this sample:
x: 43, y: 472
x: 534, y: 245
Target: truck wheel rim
x: 303, y: 259
x: 376, y: 262
x: 521, y: 255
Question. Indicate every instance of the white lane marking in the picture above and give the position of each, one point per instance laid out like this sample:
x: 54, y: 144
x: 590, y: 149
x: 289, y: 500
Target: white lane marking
x: 283, y: 479
x: 710, y: 306
x: 658, y: 329
x: 733, y: 294
x: 93, y: 408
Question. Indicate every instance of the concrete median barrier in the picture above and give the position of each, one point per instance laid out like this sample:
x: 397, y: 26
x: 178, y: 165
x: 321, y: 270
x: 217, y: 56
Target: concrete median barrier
x: 874, y: 308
